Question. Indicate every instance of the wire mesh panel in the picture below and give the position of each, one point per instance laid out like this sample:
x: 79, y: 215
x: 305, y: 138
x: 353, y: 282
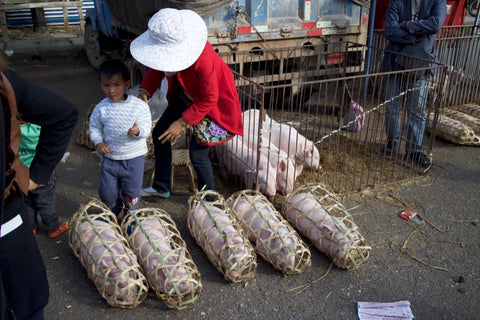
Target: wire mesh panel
x: 312, y: 106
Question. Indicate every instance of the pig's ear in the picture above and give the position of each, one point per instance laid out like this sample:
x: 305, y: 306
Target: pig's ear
x: 282, y: 165
x: 310, y: 151
x: 298, y: 170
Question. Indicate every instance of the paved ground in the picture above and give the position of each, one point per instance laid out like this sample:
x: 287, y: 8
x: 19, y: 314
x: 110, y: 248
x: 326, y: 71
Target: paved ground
x: 435, y: 266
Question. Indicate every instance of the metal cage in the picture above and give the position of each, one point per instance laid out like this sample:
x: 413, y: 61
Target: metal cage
x: 311, y: 91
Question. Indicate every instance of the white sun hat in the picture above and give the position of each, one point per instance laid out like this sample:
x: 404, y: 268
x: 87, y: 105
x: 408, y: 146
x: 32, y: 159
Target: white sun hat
x: 173, y: 42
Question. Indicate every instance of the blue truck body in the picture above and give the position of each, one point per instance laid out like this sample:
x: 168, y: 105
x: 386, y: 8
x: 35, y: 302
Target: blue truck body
x: 239, y: 26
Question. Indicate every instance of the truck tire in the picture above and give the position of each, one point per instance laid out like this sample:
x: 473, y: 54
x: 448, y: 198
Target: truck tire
x: 473, y: 8
x: 137, y: 71
x: 92, y: 46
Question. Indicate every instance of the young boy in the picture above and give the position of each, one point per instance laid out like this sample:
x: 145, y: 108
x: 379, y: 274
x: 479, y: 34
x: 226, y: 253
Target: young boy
x: 40, y: 201
x: 119, y: 127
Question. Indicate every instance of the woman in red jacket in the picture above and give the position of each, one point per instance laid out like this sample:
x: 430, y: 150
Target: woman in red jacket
x: 200, y: 85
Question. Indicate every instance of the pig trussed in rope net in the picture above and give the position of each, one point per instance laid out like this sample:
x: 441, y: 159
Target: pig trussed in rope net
x: 220, y: 236
x: 275, y: 240
x: 163, y: 254
x: 454, y: 130
x: 96, y: 240
x: 318, y: 215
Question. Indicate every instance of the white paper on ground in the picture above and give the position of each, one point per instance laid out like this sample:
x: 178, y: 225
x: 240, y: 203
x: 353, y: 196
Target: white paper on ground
x: 399, y: 310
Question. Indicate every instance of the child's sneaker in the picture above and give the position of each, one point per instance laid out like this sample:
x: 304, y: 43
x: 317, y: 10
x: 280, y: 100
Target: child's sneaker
x: 62, y: 227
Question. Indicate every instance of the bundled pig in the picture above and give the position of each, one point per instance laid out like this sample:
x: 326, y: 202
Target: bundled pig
x: 96, y: 240
x: 238, y: 159
x: 163, y: 255
x: 282, y: 136
x: 274, y: 239
x: 319, y: 216
x: 220, y: 236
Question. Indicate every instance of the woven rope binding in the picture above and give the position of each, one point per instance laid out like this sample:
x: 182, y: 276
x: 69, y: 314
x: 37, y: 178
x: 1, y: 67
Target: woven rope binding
x: 316, y: 213
x: 84, y: 135
x: 220, y: 236
x: 96, y: 240
x: 163, y: 254
x: 275, y: 240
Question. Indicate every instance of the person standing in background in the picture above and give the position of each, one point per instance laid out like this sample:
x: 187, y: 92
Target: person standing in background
x: 410, y: 23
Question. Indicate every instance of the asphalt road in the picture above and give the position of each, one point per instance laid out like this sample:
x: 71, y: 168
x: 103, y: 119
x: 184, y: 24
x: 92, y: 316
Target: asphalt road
x: 435, y: 266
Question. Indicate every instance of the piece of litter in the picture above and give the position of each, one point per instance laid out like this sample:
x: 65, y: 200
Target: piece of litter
x: 55, y: 258
x: 68, y: 306
x: 65, y: 156
x: 408, y: 214
x: 8, y: 53
x: 399, y: 310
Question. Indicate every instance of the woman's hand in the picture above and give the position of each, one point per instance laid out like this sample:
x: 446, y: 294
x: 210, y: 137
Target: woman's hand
x: 32, y: 185
x: 143, y: 96
x: 174, y: 131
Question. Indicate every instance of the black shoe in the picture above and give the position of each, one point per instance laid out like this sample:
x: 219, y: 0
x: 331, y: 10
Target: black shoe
x: 420, y: 159
x: 390, y: 148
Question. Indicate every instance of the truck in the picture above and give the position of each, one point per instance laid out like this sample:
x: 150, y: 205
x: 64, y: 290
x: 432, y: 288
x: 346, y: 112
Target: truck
x: 243, y: 26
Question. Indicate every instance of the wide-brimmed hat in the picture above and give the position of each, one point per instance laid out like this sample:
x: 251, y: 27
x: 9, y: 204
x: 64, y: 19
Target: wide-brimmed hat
x: 173, y: 42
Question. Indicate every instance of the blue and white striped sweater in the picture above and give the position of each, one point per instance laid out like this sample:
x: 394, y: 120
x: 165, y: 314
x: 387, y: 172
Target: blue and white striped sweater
x: 110, y: 121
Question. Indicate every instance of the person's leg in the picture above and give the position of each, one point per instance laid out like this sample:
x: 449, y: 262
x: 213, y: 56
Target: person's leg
x: 45, y: 201
x: 203, y: 166
x: 109, y: 187
x: 131, y: 178
x: 392, y: 116
x: 31, y: 210
x: 417, y: 101
x: 162, y: 152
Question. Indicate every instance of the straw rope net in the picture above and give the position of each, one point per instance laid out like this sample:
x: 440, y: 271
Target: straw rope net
x: 317, y: 214
x: 163, y: 254
x: 274, y: 239
x: 96, y: 240
x: 454, y: 130
x: 220, y: 236
x: 83, y: 138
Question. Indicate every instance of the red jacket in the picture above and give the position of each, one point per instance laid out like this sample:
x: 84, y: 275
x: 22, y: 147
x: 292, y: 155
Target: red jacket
x: 209, y: 81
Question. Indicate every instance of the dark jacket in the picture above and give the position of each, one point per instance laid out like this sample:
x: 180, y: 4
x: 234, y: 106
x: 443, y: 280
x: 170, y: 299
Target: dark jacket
x: 421, y: 32
x: 24, y: 285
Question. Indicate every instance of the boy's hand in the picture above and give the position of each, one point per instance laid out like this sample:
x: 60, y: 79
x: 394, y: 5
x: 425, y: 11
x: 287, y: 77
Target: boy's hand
x: 102, y: 148
x: 134, y: 130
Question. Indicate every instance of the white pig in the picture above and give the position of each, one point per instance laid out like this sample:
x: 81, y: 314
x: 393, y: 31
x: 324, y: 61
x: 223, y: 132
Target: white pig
x: 288, y: 139
x: 240, y: 160
x: 285, y: 167
x: 283, y: 136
